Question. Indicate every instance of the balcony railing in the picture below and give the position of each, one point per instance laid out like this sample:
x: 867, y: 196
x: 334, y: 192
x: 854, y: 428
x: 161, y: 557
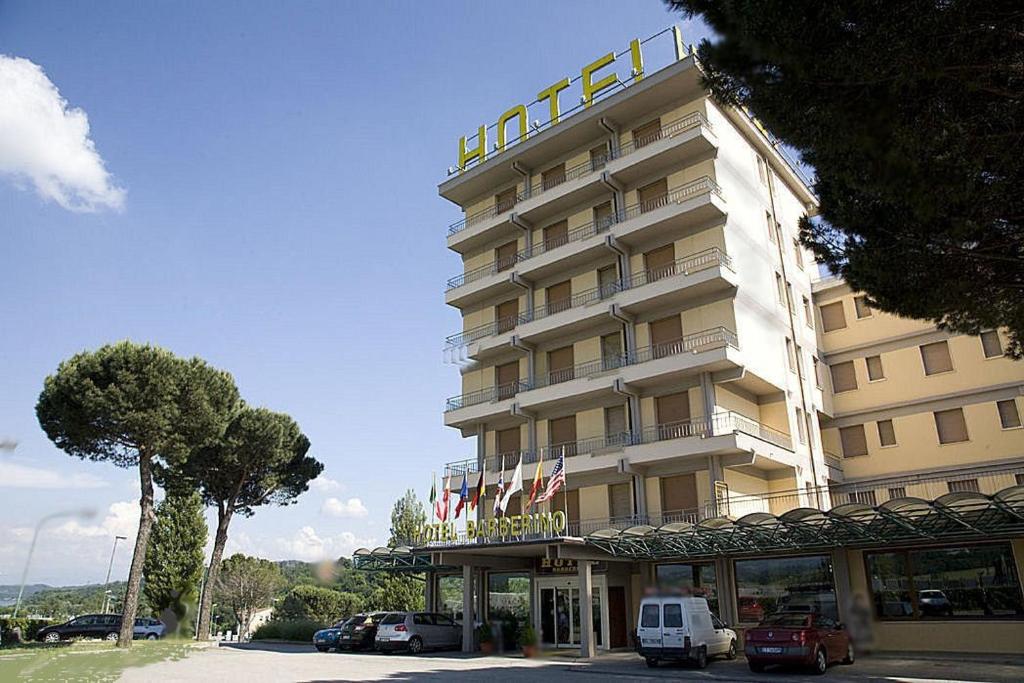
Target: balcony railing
x: 719, y: 424
x: 706, y: 340
x: 668, y: 130
x: 709, y: 258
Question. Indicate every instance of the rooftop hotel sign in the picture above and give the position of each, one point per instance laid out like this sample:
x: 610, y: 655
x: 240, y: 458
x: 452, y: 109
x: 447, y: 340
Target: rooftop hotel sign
x: 596, y: 78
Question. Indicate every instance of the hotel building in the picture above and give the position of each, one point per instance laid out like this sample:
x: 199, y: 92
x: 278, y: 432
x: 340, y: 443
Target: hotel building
x: 634, y: 297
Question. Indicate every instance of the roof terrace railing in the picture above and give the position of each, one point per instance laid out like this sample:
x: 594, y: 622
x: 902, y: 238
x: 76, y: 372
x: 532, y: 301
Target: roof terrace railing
x: 668, y: 130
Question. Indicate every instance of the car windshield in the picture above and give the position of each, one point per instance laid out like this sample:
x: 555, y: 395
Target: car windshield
x: 787, y: 620
x: 339, y: 624
x: 394, y: 618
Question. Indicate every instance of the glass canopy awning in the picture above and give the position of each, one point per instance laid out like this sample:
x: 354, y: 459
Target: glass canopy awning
x: 400, y: 559
x: 954, y: 516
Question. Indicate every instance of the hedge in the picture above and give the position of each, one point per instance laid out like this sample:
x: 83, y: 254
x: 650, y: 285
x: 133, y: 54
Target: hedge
x: 293, y: 629
x: 29, y: 627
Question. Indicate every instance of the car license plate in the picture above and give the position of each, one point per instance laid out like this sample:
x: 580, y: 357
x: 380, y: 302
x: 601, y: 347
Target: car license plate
x: 384, y: 639
x: 771, y: 650
x: 652, y: 641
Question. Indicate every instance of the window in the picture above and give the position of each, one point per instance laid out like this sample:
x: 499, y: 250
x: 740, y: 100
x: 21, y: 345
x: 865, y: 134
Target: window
x: 853, y: 440
x: 552, y: 177
x: 653, y: 196
x: 800, y: 360
x: 423, y: 620
x: 650, y: 617
x: 817, y: 371
x: 608, y: 281
x: 598, y: 157
x: 611, y: 351
x: 762, y: 169
x: 951, y: 426
x: 505, y: 256
x: 886, y: 433
x: 555, y: 235
x: 603, y: 216
x: 897, y: 492
x: 620, y: 500
x: 961, y: 582
x: 784, y: 584
x: 1009, y: 418
x: 771, y: 226
x: 832, y: 317
x: 991, y: 345
x: 808, y: 313
x: 860, y: 304
x: 647, y: 133
x: 695, y: 579
x: 790, y: 299
x: 798, y: 254
x: 844, y: 377
x: 615, y: 425
x: 864, y: 497
x: 963, y: 486
x: 936, y: 358
x: 801, y: 426
x: 875, y: 371
x: 780, y: 290
x: 508, y: 598
x: 673, y: 615
x: 1019, y: 479
x: 790, y: 355
x: 504, y: 201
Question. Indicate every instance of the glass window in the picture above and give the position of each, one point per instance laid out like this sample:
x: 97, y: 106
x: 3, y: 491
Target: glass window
x: 673, y: 615
x: 786, y: 584
x: 875, y: 370
x: 443, y: 620
x: 844, y: 377
x: 860, y: 304
x: 978, y: 582
x: 422, y: 620
x: 950, y: 425
x: 450, y: 593
x: 990, y: 344
x: 649, y: 616
x: 798, y: 254
x: 1009, y: 417
x: 508, y: 601
x: 808, y: 313
x: 936, y: 358
x: 886, y: 433
x: 832, y: 317
x: 394, y: 618
x: 693, y: 579
x: 853, y: 440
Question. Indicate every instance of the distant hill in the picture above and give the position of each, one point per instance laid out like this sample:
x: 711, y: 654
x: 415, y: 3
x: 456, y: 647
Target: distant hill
x: 9, y: 594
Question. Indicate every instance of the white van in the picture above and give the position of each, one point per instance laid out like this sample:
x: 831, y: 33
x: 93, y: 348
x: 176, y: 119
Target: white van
x: 678, y: 627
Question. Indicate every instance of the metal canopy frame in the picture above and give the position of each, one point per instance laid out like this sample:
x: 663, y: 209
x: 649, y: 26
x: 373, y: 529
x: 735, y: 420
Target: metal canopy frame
x: 397, y: 560
x: 954, y: 516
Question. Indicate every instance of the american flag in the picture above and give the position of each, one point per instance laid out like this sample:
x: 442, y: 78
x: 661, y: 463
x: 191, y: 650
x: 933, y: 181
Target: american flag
x: 556, y: 481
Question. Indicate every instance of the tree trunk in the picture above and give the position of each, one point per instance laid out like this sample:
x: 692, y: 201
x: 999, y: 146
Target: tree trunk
x: 206, y: 603
x: 146, y: 518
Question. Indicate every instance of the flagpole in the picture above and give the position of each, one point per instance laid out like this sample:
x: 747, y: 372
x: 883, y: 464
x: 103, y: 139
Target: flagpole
x: 565, y: 490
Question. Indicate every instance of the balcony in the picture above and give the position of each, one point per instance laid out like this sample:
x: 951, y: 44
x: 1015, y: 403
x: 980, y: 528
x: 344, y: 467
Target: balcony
x: 705, y: 350
x: 687, y: 277
x: 676, y: 141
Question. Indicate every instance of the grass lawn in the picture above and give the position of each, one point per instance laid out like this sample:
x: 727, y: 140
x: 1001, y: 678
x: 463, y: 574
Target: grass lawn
x: 83, y: 661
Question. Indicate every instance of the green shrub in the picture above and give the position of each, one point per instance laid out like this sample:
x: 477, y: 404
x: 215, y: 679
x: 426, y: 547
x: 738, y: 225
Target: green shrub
x: 300, y: 630
x: 29, y: 627
x: 316, y: 603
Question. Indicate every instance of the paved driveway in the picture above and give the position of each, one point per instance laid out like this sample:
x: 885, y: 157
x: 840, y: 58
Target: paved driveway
x: 256, y: 663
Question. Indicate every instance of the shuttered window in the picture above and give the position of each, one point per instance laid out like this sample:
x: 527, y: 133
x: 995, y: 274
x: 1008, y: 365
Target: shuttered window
x: 559, y: 297
x: 611, y: 351
x: 603, y: 215
x: 608, y: 281
x: 808, y: 313
x: 615, y: 421
x: 666, y: 335
x: 504, y: 201
x: 864, y: 497
x: 571, y: 507
x: 562, y: 432
x: 798, y: 254
x: 647, y: 133
x: 620, y: 500
x: 505, y: 256
x: 832, y: 317
x: 660, y: 262
x: 854, y: 441
x: 1009, y: 417
x: 875, y: 371
x: 991, y: 345
x: 951, y: 426
x: 886, y: 433
x: 506, y: 315
x: 844, y: 377
x: 679, y: 493
x: 936, y: 358
x: 560, y: 365
x: 860, y: 305
x: 653, y: 196
x: 963, y: 486
x: 598, y: 157
x: 556, y: 235
x: 552, y: 177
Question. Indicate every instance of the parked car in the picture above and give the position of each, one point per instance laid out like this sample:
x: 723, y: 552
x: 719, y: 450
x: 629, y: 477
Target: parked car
x: 810, y: 640
x: 934, y: 603
x: 359, y: 632
x: 417, y: 631
x: 147, y: 628
x: 326, y: 638
x: 104, y: 626
x: 682, y: 629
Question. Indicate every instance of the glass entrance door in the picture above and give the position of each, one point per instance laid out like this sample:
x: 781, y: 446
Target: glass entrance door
x: 560, y: 617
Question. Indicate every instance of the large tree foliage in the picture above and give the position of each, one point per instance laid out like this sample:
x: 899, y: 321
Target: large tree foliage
x: 135, y: 406
x: 174, y: 561
x: 910, y: 112
x: 407, y: 517
x: 394, y: 593
x: 261, y: 459
x: 317, y: 603
x: 246, y: 585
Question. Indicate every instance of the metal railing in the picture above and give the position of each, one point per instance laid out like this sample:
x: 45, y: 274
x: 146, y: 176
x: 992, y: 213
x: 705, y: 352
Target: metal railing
x: 668, y: 130
x: 488, y: 395
x: 718, y: 424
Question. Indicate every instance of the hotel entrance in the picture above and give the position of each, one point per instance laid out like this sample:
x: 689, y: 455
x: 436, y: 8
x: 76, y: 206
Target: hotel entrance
x: 559, y: 613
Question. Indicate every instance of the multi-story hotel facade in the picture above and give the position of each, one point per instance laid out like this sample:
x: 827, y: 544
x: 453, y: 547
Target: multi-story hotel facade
x: 634, y: 298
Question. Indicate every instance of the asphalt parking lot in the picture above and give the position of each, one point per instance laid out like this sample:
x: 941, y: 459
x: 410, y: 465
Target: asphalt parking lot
x: 259, y: 662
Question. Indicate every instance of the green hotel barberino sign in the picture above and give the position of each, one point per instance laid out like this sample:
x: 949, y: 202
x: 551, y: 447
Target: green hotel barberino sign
x: 510, y: 528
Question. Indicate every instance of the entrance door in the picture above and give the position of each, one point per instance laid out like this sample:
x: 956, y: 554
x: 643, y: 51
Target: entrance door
x: 617, y: 616
x: 560, y: 616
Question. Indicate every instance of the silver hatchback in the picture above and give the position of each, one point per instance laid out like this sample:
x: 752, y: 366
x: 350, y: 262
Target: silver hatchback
x: 417, y: 631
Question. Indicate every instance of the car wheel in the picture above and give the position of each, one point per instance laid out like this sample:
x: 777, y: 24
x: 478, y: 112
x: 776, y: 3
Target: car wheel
x: 849, y: 654
x: 111, y: 637
x: 51, y: 637
x: 820, y: 661
x: 702, y: 658
x: 731, y: 652
x: 652, y: 662
x: 321, y: 648
x: 151, y: 636
x: 415, y: 645
x: 756, y: 667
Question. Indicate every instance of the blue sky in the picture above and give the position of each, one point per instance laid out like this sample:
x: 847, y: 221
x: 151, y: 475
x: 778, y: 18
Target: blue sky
x: 280, y: 218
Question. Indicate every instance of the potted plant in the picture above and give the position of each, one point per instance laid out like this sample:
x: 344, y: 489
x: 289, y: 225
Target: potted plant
x: 486, y: 638
x: 528, y: 641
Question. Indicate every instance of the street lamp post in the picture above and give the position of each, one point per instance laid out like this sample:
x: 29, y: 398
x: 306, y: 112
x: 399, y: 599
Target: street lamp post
x: 84, y: 514
x: 106, y: 594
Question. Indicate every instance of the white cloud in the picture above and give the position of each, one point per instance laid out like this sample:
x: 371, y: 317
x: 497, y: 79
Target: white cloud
x: 306, y: 545
x: 46, y: 142
x: 324, y: 484
x: 16, y: 476
x: 353, y: 507
x: 122, y: 519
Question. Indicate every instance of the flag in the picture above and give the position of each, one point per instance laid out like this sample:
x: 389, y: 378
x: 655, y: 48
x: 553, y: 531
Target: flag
x: 433, y: 495
x: 445, y: 498
x: 556, y: 481
x: 500, y: 489
x: 463, y: 496
x: 479, y: 493
x: 538, y: 482
x: 515, y: 486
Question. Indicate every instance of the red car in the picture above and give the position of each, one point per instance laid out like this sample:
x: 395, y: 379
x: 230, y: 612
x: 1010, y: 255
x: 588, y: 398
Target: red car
x: 799, y: 638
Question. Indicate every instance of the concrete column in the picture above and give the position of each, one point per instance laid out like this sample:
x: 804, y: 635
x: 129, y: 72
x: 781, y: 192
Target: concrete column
x: 467, y: 608
x: 587, y: 638
x: 727, y: 608
x: 640, y: 494
x: 429, y: 591
x: 841, y: 575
